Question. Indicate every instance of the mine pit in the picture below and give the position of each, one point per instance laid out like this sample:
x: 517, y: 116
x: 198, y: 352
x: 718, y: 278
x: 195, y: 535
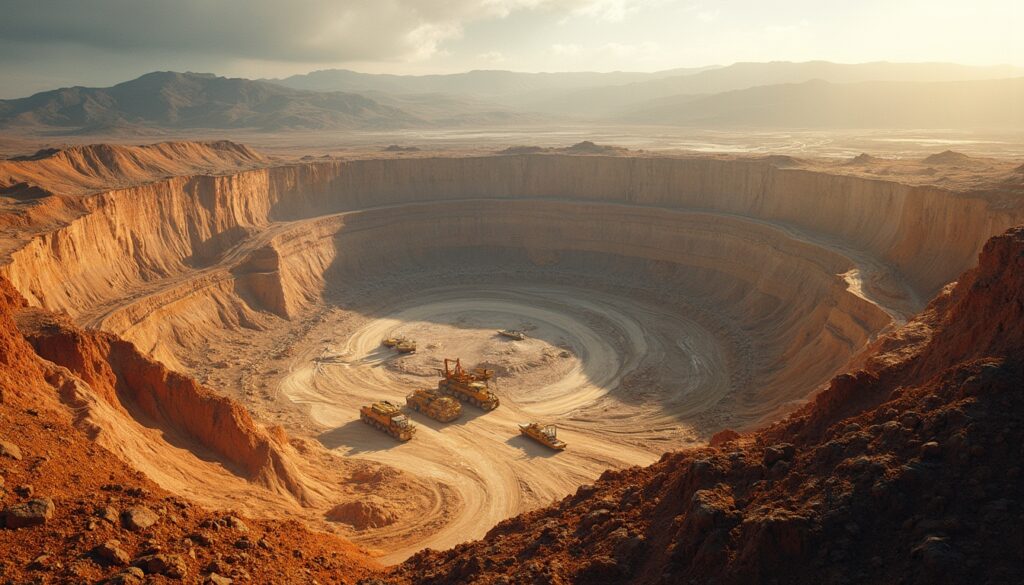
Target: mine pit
x: 658, y: 297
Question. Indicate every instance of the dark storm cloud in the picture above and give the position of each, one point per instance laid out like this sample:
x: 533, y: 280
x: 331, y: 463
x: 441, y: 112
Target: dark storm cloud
x: 311, y: 31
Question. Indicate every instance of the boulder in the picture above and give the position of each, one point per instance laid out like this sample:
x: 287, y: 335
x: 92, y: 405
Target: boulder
x: 9, y: 450
x: 778, y: 452
x: 162, y: 564
x: 31, y: 513
x: 112, y: 553
x: 130, y: 576
x: 138, y: 518
x: 722, y: 437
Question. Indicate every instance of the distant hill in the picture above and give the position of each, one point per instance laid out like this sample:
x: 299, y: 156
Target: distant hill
x: 471, y: 83
x: 195, y: 100
x: 601, y: 101
x: 820, y: 104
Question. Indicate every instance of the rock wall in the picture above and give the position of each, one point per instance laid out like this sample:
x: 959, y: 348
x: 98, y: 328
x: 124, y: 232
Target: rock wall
x: 806, y: 263
x: 143, y: 391
x: 129, y: 237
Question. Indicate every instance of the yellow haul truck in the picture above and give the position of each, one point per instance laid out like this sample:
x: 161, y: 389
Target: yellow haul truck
x: 545, y: 435
x: 434, y: 404
x: 388, y: 417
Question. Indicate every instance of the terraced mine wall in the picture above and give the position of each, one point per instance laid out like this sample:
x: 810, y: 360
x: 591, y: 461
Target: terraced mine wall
x: 797, y: 259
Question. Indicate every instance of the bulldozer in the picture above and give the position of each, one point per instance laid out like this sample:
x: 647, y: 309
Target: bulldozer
x: 388, y: 417
x: 392, y: 341
x: 512, y: 334
x: 545, y: 435
x: 434, y: 404
x: 406, y: 346
x: 458, y: 383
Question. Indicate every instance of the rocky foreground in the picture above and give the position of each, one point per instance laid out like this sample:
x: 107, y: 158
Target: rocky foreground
x: 72, y: 512
x: 907, y: 470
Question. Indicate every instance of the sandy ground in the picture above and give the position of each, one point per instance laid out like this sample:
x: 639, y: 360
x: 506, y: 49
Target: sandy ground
x: 830, y: 144
x: 574, y: 369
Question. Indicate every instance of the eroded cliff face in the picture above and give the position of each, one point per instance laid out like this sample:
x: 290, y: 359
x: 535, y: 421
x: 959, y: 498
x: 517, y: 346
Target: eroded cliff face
x: 53, y: 419
x: 810, y: 265
x: 143, y: 391
x: 166, y: 228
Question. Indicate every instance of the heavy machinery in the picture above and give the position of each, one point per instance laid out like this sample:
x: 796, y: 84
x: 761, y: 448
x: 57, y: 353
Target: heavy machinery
x: 434, y: 404
x: 388, y: 417
x: 482, y: 374
x: 545, y: 435
x: 512, y: 334
x: 406, y: 346
x: 465, y: 386
x: 391, y: 341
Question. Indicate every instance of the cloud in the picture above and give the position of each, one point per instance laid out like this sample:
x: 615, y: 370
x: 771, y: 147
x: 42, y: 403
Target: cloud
x: 492, y: 57
x: 566, y: 49
x: 614, y: 54
x: 307, y: 31
x: 613, y: 10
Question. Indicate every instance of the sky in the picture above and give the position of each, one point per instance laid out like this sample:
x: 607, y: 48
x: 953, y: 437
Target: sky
x: 45, y: 44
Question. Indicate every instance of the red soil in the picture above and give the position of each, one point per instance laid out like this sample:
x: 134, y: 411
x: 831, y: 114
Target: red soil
x: 61, y: 463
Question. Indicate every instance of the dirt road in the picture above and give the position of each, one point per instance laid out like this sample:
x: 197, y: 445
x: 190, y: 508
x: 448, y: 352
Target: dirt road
x: 580, y: 345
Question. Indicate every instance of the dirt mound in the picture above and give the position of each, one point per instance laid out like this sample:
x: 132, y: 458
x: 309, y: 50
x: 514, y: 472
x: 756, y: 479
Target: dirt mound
x: 584, y: 147
x: 368, y: 512
x: 863, y: 159
x: 905, y: 471
x: 82, y: 169
x: 523, y: 150
x: 947, y: 157
x: 781, y: 161
x: 588, y: 147
x: 400, y: 148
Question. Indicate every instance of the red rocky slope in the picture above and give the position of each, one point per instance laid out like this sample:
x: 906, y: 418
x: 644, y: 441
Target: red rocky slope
x: 905, y: 471
x: 72, y: 512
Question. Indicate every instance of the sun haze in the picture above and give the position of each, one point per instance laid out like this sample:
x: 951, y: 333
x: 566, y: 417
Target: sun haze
x: 511, y: 292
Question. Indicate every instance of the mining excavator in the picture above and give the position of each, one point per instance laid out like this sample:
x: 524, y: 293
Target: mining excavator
x: 545, y: 435
x: 434, y: 404
x: 388, y: 417
x: 466, y: 386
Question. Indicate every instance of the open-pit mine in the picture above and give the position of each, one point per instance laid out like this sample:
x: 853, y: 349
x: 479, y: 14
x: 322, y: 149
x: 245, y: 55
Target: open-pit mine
x: 663, y: 298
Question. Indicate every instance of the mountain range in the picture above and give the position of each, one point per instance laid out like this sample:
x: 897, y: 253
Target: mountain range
x: 758, y: 95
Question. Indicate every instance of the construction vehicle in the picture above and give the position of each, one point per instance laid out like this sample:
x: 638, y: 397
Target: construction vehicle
x: 388, y: 417
x: 513, y: 334
x: 545, y: 435
x: 482, y: 374
x: 406, y: 346
x: 434, y: 404
x: 458, y: 383
x: 391, y: 341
